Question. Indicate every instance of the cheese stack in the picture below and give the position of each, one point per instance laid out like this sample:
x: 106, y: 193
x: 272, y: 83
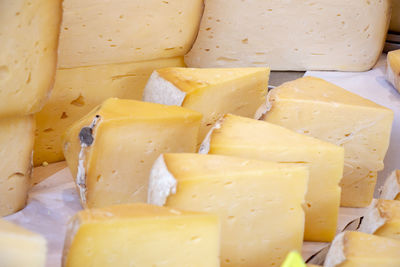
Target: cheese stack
x: 393, y: 68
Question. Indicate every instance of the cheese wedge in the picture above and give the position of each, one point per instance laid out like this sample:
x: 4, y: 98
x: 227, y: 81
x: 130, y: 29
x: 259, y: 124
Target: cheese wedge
x: 356, y: 249
x: 111, y: 150
x: 259, y: 203
x: 248, y: 138
x: 393, y: 68
x: 291, y: 35
x: 317, y: 108
x: 391, y: 187
x: 20, y: 247
x: 395, y: 21
x: 213, y: 92
x: 16, y: 145
x: 28, y: 41
x: 142, y: 235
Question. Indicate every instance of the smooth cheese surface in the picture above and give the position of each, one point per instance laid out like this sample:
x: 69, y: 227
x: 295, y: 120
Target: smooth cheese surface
x: 393, y: 68
x: 28, y: 38
x: 395, y: 21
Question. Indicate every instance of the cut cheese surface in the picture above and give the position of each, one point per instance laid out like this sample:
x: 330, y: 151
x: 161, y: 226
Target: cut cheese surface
x: 395, y: 21
x: 391, y: 187
x: 28, y: 38
x: 111, y: 150
x: 16, y: 145
x: 95, y: 32
x: 393, y: 68
x: 77, y: 91
x: 248, y: 138
x: 213, y: 92
x: 317, y: 108
x: 259, y: 203
x: 142, y: 235
x: 291, y: 35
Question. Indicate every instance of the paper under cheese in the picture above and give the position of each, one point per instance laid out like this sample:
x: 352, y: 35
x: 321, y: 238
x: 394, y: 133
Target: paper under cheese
x: 110, y: 151
x: 395, y: 21
x: 142, y: 235
x: 28, y: 41
x: 259, y: 203
x: 393, y: 68
x: 391, y: 187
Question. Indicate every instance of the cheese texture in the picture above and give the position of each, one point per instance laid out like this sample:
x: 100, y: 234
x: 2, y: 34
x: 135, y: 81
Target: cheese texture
x: 28, y: 41
x: 391, y: 187
x: 356, y: 249
x: 213, y: 92
x: 259, y: 203
x: 248, y: 138
x: 95, y: 33
x: 20, y: 247
x: 317, y: 108
x: 16, y: 145
x: 395, y: 22
x: 393, y: 68
x: 77, y: 91
x: 319, y: 35
x: 142, y: 235
x: 111, y: 150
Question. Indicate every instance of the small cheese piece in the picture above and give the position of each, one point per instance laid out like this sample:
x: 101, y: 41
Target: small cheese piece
x: 16, y: 145
x: 94, y: 32
x: 213, y: 92
x: 77, y: 91
x: 28, y: 41
x: 243, y: 137
x: 20, y: 247
x: 317, y: 108
x: 293, y: 259
x: 259, y: 203
x: 395, y: 21
x: 356, y: 249
x: 291, y: 35
x: 142, y: 235
x: 391, y: 187
x: 111, y: 150
x: 393, y: 68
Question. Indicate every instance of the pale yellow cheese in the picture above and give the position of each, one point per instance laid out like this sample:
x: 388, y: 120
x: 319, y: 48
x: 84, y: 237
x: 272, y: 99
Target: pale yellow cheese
x: 395, y: 21
x: 243, y: 137
x: 28, y: 44
x: 317, y: 108
x: 393, y: 68
x: 142, y: 235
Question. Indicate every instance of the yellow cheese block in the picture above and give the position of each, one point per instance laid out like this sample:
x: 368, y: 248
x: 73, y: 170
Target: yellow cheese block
x: 317, y: 108
x: 77, y: 91
x: 28, y: 41
x: 393, y: 68
x: 142, y: 235
x: 259, y: 203
x: 20, y: 247
x: 97, y: 32
x: 16, y: 145
x: 391, y: 187
x: 356, y: 249
x: 213, y: 92
x: 111, y: 150
x: 248, y: 138
x: 395, y: 21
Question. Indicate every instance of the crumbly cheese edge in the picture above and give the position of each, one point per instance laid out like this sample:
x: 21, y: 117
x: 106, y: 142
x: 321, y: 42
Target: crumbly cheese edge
x: 391, y: 187
x: 265, y: 107
x: 336, y: 254
x: 372, y: 220
x: 205, y: 145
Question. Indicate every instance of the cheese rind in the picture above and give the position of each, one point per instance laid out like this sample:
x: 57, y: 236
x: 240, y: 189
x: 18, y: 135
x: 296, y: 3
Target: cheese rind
x: 393, y: 68
x: 391, y: 187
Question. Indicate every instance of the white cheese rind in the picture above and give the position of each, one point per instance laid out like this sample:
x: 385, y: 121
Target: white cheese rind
x: 372, y: 220
x: 391, y: 188
x: 205, y: 145
x: 264, y: 108
x: 335, y: 254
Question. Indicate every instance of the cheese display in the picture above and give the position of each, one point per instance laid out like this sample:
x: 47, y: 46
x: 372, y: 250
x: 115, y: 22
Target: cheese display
x: 110, y: 151
x: 213, y: 92
x: 259, y: 203
x: 95, y: 33
x: 395, y: 21
x: 78, y: 90
x: 391, y: 187
x: 142, y: 235
x: 291, y: 35
x: 20, y: 247
x: 28, y: 41
x: 356, y: 249
x: 393, y: 68
x: 317, y: 108
x: 16, y: 145
x: 248, y: 138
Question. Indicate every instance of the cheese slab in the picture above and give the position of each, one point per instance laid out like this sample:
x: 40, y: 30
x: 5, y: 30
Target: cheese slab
x: 213, y: 92
x: 393, y: 68
x: 29, y: 39
x: 395, y: 21
x: 142, y: 235
x: 391, y: 187
x: 259, y: 203
x: 110, y: 151
x: 248, y: 138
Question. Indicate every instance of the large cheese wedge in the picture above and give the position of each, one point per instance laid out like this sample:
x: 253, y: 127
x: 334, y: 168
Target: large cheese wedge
x: 95, y: 32
x: 391, y: 187
x: 395, y: 21
x: 28, y: 41
x: 213, y: 92
x: 248, y: 138
x: 111, y: 150
x: 259, y: 203
x: 20, y: 247
x: 356, y: 249
x: 393, y: 68
x: 16, y: 145
x: 317, y: 108
x: 142, y: 235
x: 291, y: 35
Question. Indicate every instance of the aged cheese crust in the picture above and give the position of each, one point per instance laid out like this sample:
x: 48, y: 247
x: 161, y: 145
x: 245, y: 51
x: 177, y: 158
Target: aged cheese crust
x: 391, y: 187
